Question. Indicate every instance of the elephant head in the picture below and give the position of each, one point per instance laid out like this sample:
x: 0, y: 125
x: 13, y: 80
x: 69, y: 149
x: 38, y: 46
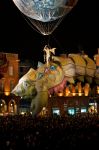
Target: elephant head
x: 36, y: 85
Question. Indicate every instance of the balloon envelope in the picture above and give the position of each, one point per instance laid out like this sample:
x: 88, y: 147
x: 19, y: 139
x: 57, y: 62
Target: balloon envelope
x: 45, y: 15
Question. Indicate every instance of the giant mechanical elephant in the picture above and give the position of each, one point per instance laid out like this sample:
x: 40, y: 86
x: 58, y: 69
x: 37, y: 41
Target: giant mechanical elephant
x: 36, y: 85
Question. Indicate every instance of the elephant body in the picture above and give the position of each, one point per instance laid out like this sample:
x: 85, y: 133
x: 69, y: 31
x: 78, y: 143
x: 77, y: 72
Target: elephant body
x: 79, y: 67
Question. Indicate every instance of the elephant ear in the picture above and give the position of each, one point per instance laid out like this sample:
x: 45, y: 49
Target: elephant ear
x: 40, y: 64
x: 31, y: 75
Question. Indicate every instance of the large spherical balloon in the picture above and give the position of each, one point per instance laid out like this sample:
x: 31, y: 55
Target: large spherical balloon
x: 45, y: 15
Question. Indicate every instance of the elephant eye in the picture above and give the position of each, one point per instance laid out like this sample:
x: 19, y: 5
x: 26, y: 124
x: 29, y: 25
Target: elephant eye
x: 25, y: 84
x: 52, y: 67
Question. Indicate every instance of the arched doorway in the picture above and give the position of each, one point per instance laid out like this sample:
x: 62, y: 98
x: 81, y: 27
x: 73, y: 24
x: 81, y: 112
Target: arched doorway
x: 12, y: 107
x: 3, y: 107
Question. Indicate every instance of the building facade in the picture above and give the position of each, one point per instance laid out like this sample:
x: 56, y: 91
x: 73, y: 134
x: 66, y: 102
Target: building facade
x: 9, y: 76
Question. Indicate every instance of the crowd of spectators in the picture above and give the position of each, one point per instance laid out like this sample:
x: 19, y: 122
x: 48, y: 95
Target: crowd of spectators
x: 59, y: 133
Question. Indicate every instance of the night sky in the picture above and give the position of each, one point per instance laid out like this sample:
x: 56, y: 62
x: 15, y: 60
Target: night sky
x: 77, y: 31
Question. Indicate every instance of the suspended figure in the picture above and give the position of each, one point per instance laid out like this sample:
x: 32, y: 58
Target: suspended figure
x: 45, y: 15
x: 48, y: 51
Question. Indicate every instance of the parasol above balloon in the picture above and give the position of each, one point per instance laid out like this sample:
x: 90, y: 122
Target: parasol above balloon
x: 45, y: 15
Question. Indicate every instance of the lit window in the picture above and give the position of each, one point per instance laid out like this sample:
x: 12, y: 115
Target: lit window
x: 10, y: 70
x: 56, y: 111
x: 83, y: 110
x: 71, y: 111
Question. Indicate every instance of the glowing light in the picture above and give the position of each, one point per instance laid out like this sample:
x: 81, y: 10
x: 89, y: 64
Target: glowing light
x: 73, y: 94
x: 97, y: 89
x: 1, y: 104
x: 7, y: 93
x: 60, y: 94
x: 86, y: 89
x: 80, y: 94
